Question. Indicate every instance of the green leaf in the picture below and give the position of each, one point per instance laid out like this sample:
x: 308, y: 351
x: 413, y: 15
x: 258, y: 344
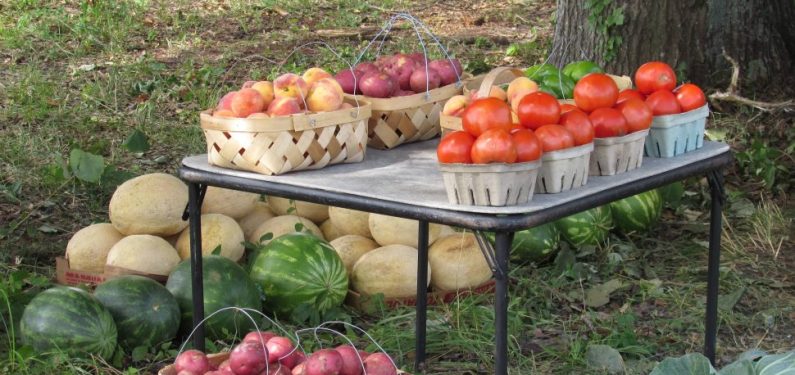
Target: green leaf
x: 136, y: 142
x: 604, y: 358
x: 217, y: 250
x: 688, y: 364
x: 777, y: 364
x: 86, y: 166
x: 599, y: 295
x: 299, y: 227
x: 743, y: 367
x: 139, y: 353
x: 266, y: 237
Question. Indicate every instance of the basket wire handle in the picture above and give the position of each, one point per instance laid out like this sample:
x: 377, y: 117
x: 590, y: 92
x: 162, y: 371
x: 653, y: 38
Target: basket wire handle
x: 488, y: 80
x: 337, y: 55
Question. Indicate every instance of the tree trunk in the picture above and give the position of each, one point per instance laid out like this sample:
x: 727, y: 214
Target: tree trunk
x: 690, y: 35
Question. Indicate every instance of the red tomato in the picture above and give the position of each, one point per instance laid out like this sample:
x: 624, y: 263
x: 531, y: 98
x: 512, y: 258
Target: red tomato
x: 628, y: 94
x: 595, y: 90
x: 538, y: 108
x: 663, y: 102
x: 485, y: 114
x: 579, y: 125
x: 455, y: 147
x: 690, y: 97
x: 494, y: 146
x: 566, y: 107
x: 637, y: 114
x: 608, y: 122
x: 653, y: 76
x: 554, y: 137
x: 528, y: 148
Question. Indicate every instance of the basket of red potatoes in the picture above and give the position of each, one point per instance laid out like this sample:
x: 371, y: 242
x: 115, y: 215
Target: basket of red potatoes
x: 680, y: 113
x: 265, y: 353
x: 295, y: 122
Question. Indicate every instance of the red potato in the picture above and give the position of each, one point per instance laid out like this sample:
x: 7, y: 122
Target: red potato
x: 446, y: 71
x: 403, y: 93
x: 379, y: 364
x: 422, y: 80
x: 248, y: 358
x: 401, y: 74
x: 293, y: 359
x: 365, y: 67
x: 220, y: 372
x: 192, y: 361
x: 277, y: 370
x: 363, y: 354
x: 225, y: 366
x: 298, y: 369
x: 351, y: 364
x: 419, y: 57
x: 278, y: 347
x: 377, y: 85
x: 323, y: 362
x: 259, y: 336
x: 348, y: 81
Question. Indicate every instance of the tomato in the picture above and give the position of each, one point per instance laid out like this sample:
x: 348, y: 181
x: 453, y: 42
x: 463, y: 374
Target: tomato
x: 566, y: 107
x: 608, y: 122
x: 579, y: 125
x: 485, y: 114
x: 528, y: 148
x: 554, y: 137
x: 690, y: 97
x: 596, y: 90
x: 663, y: 102
x: 653, y: 76
x: 494, y: 146
x: 455, y: 147
x: 628, y: 94
x: 637, y: 114
x: 538, y: 108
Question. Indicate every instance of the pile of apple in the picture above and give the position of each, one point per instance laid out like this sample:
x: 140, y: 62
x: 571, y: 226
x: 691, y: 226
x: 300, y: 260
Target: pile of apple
x: 656, y: 84
x: 399, y: 75
x: 314, y: 91
x: 280, y: 357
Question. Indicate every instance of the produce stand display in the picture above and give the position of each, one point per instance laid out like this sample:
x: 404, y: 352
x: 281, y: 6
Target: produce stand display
x: 406, y: 182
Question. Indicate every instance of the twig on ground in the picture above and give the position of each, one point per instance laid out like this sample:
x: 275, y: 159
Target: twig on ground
x: 732, y: 95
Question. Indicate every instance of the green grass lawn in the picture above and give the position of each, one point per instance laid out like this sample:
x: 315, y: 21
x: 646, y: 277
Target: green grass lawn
x: 87, y: 75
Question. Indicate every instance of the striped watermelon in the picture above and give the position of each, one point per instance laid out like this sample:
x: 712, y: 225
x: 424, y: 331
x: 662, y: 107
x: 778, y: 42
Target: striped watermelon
x: 145, y: 312
x: 537, y: 244
x: 589, y: 227
x: 637, y: 213
x: 297, y: 269
x: 69, y: 320
x: 226, y: 284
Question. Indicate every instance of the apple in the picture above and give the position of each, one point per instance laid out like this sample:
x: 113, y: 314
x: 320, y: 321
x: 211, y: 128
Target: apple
x: 325, y: 95
x: 284, y: 106
x: 455, y: 105
x: 313, y: 75
x: 265, y: 89
x: 246, y: 102
x: 290, y: 85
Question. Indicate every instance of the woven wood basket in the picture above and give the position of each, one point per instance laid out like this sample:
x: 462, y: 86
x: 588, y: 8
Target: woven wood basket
x: 406, y: 119
x: 497, y: 76
x: 278, y: 145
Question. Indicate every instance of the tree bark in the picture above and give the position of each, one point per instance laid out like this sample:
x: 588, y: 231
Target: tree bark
x: 690, y: 35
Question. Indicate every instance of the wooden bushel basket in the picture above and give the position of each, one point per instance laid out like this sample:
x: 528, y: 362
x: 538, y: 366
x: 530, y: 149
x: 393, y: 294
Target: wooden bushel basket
x: 278, y: 145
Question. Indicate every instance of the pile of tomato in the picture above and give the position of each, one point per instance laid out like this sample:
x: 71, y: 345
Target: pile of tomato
x: 656, y: 84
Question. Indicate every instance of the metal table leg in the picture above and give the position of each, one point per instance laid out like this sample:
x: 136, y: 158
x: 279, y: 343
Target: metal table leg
x: 713, y: 273
x: 422, y: 296
x: 502, y: 246
x: 195, y: 197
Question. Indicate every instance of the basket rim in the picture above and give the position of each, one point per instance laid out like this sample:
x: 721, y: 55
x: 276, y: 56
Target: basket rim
x: 491, y: 168
x: 294, y: 122
x: 669, y: 121
x: 568, y: 153
x: 631, y: 137
x: 415, y: 100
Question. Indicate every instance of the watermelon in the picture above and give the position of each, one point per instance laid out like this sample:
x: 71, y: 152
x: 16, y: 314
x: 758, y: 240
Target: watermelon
x: 145, y: 312
x: 537, y: 244
x: 68, y: 320
x: 226, y: 284
x: 299, y: 269
x: 589, y: 227
x: 637, y: 213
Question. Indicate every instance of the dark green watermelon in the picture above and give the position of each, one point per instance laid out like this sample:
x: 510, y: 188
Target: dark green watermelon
x: 538, y: 244
x: 226, y: 284
x: 589, y: 227
x: 300, y: 269
x: 69, y: 320
x: 637, y: 213
x: 145, y: 312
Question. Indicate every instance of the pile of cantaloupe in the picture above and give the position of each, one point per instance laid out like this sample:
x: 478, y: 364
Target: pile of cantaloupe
x: 147, y: 234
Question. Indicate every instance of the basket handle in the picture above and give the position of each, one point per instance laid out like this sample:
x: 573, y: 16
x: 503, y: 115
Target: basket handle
x: 488, y: 80
x: 279, y: 69
x: 418, y: 27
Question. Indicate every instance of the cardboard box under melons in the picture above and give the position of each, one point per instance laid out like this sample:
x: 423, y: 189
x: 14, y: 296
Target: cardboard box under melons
x: 374, y: 304
x: 65, y: 275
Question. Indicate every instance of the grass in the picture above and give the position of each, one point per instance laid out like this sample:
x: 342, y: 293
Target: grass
x: 85, y: 75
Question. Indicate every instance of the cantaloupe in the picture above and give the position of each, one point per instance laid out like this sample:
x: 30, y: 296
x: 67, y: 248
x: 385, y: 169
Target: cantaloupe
x: 312, y: 211
x: 149, y: 204
x: 390, y: 270
x: 457, y: 263
x: 144, y: 253
x: 281, y: 225
x: 445, y: 230
x: 229, y: 202
x: 217, y: 230
x: 390, y: 230
x: 261, y: 213
x: 349, y: 221
x: 351, y: 247
x: 88, y: 248
x: 330, y: 231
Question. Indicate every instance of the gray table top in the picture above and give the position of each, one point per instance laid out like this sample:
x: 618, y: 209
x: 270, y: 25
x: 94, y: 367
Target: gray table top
x: 409, y: 175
